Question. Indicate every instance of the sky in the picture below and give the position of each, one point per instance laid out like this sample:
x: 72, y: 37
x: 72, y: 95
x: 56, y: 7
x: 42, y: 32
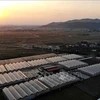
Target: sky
x: 46, y: 11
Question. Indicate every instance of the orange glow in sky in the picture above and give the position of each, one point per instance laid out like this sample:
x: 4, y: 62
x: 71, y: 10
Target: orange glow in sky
x: 43, y: 12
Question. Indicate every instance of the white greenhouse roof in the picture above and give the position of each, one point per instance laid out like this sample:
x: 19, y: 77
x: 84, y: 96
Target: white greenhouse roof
x: 11, y: 77
x: 38, y: 62
x: 56, y: 80
x: 17, y: 66
x: 80, y: 75
x: 92, y: 69
x: 73, y: 64
x: 56, y: 59
x: 72, y: 56
x: 25, y: 91
x: 2, y: 69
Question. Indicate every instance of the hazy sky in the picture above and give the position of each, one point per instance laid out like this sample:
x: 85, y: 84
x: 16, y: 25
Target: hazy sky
x: 43, y: 12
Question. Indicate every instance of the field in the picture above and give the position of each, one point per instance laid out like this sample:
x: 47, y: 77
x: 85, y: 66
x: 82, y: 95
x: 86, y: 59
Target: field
x: 11, y: 41
x: 10, y: 47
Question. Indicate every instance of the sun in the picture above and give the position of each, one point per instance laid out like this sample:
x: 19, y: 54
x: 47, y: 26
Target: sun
x: 1, y: 14
x: 4, y: 5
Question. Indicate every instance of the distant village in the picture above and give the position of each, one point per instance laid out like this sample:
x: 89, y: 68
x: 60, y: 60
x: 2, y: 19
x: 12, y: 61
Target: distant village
x: 84, y: 48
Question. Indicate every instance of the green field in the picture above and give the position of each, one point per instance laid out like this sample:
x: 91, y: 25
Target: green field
x: 10, y: 41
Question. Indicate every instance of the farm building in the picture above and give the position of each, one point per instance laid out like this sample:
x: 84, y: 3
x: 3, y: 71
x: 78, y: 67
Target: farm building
x: 26, y: 91
x: 92, y: 70
x: 23, y: 79
x: 72, y: 56
x: 55, y: 59
x: 72, y: 64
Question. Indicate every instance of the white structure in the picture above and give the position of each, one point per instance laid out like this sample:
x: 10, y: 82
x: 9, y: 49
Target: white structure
x: 80, y: 75
x: 55, y: 59
x: 25, y: 91
x: 17, y: 66
x: 2, y: 69
x: 72, y: 56
x: 71, y: 64
x: 31, y: 73
x: 38, y: 62
x: 23, y: 65
x: 92, y: 70
x: 58, y: 80
x: 12, y: 77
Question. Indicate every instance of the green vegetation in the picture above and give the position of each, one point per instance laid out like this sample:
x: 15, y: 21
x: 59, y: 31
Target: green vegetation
x: 14, y: 53
x: 11, y: 41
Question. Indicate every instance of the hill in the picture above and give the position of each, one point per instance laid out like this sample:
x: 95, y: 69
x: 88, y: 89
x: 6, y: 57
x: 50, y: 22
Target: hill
x: 93, y: 24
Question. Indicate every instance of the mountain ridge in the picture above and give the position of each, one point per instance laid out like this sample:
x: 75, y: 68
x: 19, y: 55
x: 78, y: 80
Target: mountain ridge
x: 76, y: 23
